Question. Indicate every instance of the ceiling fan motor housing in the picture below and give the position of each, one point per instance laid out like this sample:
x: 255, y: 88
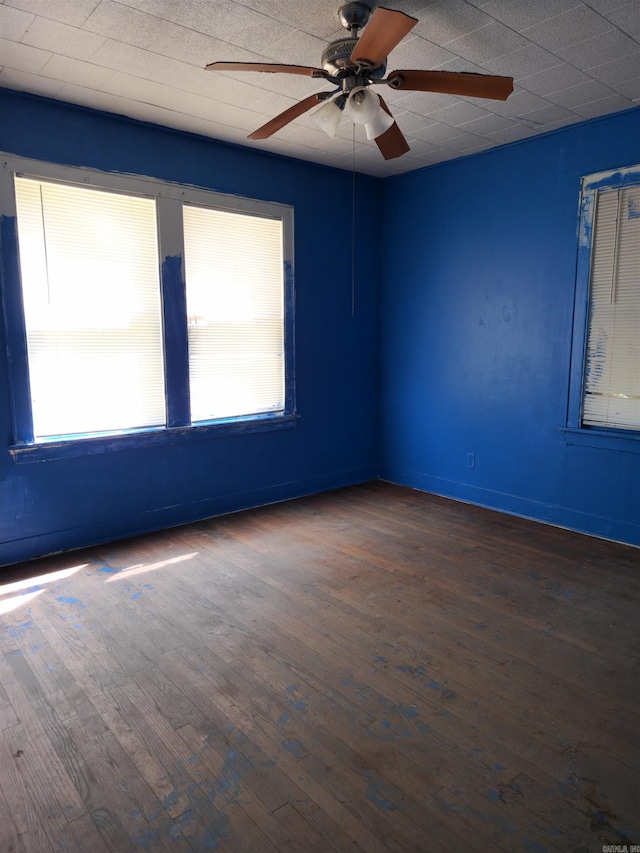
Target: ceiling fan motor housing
x: 336, y: 59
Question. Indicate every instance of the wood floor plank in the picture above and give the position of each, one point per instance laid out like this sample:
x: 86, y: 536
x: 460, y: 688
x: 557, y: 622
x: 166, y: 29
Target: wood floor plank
x: 8, y: 716
x: 25, y: 813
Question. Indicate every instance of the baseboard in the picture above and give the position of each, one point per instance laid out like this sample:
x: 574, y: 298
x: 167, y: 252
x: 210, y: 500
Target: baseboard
x: 160, y: 518
x: 593, y: 525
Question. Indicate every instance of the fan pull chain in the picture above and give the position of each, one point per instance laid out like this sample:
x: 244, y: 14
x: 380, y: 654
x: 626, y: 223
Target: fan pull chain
x: 353, y: 224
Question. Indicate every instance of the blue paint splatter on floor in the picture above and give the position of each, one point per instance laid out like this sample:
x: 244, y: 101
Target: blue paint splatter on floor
x: 557, y: 592
x: 494, y: 796
x: 108, y: 570
x: 284, y: 718
x: 68, y: 599
x: 18, y: 632
x: 499, y: 767
x: 211, y: 838
x: 295, y: 748
x: 435, y: 685
x: 533, y: 846
x: 229, y: 781
x: 171, y: 800
x: 372, y: 793
x: 146, y: 838
x: 420, y: 673
x: 290, y: 688
x: 136, y: 595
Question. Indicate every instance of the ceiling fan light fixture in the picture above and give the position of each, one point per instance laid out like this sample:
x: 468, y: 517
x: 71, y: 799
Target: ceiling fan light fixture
x: 363, y: 105
x: 378, y: 125
x: 328, y: 118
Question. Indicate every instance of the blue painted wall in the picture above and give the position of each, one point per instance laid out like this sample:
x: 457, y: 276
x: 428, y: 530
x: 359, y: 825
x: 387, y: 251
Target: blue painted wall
x: 467, y: 352
x: 478, y: 280
x: 54, y: 505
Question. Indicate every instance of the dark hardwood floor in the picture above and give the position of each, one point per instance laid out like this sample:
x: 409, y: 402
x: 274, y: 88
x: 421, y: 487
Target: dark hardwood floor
x: 372, y: 669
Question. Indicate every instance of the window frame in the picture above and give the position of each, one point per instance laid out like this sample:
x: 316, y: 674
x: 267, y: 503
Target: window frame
x: 169, y: 198
x: 576, y: 432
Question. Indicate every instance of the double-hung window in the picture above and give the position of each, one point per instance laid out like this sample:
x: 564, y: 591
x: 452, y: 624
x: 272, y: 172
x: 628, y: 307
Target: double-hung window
x: 605, y: 392
x: 134, y: 305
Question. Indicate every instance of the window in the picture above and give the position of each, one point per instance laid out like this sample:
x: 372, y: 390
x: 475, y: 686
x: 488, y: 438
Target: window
x: 138, y: 306
x: 607, y: 322
x: 91, y: 295
x: 235, y: 308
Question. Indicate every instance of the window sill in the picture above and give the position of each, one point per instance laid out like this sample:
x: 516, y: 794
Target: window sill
x: 67, y: 448
x: 626, y: 442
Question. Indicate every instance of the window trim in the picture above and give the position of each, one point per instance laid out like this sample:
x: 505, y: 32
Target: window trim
x: 169, y: 197
x: 575, y: 432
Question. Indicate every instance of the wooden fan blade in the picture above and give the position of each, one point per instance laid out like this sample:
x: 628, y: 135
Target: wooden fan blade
x: 392, y: 142
x: 385, y: 30
x: 453, y: 83
x: 284, y: 118
x: 269, y: 67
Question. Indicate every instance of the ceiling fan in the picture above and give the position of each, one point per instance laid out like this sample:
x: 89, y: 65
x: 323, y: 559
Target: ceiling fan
x: 353, y: 64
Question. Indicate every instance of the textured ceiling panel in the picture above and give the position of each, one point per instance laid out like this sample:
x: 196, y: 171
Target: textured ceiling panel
x: 69, y: 70
x: 14, y: 23
x: 73, y: 12
x: 458, y: 113
x: 603, y: 107
x: 618, y: 70
x: 522, y: 14
x: 572, y: 27
x: 487, y: 43
x: 22, y: 57
x: 596, y: 51
x: 629, y: 89
x: 571, y: 60
x: 563, y: 76
x: 68, y: 40
x: 113, y: 20
x: 23, y: 81
x: 487, y: 125
x: 583, y: 93
x: 450, y: 19
x: 627, y: 18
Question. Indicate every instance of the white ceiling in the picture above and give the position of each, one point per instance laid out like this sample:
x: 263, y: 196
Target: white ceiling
x: 571, y: 61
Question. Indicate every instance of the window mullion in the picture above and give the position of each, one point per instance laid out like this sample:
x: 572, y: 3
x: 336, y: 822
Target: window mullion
x: 174, y: 311
x: 13, y: 312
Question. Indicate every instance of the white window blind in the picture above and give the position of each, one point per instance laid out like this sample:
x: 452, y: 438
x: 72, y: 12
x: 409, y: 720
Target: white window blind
x: 90, y: 284
x: 235, y: 307
x: 612, y: 377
